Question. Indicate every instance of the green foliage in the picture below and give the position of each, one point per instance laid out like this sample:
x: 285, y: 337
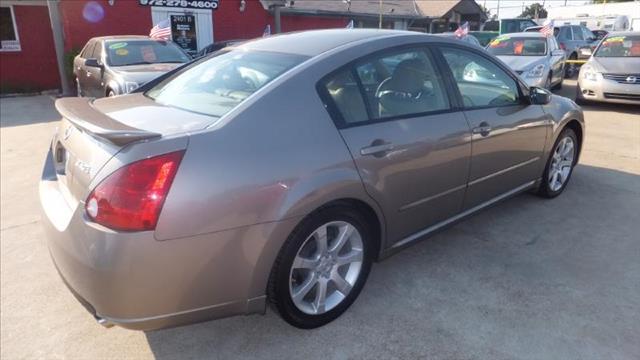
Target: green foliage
x: 68, y: 62
x: 534, y: 11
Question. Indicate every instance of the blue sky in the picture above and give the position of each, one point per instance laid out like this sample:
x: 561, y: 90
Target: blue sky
x: 513, y: 8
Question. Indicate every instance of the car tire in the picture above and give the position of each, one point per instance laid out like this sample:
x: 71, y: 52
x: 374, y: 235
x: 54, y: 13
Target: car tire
x: 560, y: 164
x: 570, y: 70
x: 111, y: 93
x: 303, y: 270
x: 558, y: 86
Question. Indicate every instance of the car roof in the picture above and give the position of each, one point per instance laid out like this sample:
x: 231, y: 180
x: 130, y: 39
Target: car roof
x: 122, y: 37
x: 315, y: 42
x: 530, y: 34
x: 623, y: 33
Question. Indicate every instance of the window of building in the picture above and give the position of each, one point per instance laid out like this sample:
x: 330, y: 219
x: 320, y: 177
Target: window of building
x: 9, y: 40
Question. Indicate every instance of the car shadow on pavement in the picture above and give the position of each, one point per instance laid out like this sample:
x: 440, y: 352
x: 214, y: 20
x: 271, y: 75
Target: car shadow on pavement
x: 27, y: 110
x: 527, y: 276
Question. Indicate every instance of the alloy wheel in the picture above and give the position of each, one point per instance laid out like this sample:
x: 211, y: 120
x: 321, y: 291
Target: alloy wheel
x: 326, y: 267
x: 561, y: 163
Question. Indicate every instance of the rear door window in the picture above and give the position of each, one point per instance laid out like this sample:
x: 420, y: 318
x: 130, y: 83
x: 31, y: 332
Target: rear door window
x: 577, y: 33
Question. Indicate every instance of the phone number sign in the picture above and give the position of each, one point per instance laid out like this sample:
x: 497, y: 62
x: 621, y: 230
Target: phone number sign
x: 187, y: 4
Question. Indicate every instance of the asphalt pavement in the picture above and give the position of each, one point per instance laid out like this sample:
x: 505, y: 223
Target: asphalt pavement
x: 526, y: 279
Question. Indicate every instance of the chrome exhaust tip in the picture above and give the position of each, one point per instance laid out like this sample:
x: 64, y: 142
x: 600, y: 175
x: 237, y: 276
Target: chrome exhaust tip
x: 104, y: 322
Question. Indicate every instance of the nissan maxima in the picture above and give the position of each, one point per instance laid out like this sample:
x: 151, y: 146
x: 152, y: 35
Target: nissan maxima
x: 276, y: 172
x: 612, y: 73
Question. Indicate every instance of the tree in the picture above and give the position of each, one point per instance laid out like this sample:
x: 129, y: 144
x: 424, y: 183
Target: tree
x: 486, y: 11
x: 534, y: 11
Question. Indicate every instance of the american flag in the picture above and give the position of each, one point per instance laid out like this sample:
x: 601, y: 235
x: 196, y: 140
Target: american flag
x: 547, y: 28
x: 162, y: 30
x: 462, y: 30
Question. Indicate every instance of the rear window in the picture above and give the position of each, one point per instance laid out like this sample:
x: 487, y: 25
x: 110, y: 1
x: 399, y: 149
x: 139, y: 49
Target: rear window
x: 216, y: 85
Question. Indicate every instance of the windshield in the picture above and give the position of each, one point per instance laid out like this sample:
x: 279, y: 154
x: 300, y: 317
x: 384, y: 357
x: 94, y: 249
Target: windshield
x: 505, y: 45
x: 619, y: 46
x: 216, y: 85
x: 122, y: 53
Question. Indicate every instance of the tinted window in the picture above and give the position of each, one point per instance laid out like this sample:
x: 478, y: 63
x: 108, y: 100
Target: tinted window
x: 216, y: 85
x: 577, y: 33
x: 88, y: 50
x: 122, y: 53
x: 480, y: 81
x: 345, y: 93
x: 565, y: 33
x: 518, y: 46
x: 619, y: 46
x: 588, y: 34
x: 401, y: 84
x: 96, y: 52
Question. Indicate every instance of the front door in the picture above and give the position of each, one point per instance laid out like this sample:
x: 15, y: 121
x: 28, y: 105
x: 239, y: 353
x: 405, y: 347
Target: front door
x: 411, y: 150
x: 94, y: 86
x: 508, y: 134
x: 190, y: 28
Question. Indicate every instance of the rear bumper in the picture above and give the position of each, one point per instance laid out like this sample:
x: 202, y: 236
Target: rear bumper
x: 137, y: 282
x: 609, y: 91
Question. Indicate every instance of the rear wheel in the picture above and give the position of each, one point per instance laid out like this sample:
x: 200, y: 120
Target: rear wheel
x: 560, y: 165
x: 111, y: 93
x: 558, y: 86
x: 321, y: 268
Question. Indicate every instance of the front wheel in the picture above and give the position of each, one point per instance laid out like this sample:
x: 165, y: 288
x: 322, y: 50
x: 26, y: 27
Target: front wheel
x: 560, y: 165
x: 321, y: 268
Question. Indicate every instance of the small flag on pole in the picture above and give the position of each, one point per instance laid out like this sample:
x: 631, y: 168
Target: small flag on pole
x: 547, y: 28
x: 462, y: 30
x: 350, y: 24
x: 267, y: 31
x: 162, y: 30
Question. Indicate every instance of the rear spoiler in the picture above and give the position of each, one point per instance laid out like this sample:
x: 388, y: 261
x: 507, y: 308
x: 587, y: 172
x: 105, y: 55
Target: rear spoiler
x: 81, y: 113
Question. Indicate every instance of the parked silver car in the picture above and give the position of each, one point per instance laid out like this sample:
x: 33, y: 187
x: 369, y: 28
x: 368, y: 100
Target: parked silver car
x: 536, y: 57
x: 116, y: 65
x: 612, y: 74
x: 278, y: 171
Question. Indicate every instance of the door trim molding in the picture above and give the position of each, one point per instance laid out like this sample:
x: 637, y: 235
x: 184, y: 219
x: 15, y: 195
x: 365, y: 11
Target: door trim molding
x: 432, y: 197
x: 433, y: 228
x: 503, y: 171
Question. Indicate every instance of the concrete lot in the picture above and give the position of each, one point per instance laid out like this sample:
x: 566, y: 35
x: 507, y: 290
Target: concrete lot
x: 527, y: 279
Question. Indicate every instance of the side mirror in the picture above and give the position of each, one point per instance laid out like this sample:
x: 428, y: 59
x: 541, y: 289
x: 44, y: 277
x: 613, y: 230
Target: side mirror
x: 92, y: 63
x: 585, y: 52
x: 558, y: 52
x: 539, y: 96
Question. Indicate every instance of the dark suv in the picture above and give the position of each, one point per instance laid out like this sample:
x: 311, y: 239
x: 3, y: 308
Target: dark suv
x: 570, y: 39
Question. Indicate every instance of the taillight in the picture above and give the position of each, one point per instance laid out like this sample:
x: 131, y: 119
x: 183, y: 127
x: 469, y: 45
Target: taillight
x: 131, y: 198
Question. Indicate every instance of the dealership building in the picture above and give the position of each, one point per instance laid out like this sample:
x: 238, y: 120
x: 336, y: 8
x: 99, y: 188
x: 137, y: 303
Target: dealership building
x: 34, y: 34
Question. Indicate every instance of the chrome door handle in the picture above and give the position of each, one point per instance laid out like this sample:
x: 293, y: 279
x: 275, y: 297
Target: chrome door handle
x: 484, y: 129
x: 376, y: 149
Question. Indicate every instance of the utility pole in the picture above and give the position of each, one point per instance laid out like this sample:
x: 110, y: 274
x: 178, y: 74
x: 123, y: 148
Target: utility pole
x: 498, y: 15
x: 380, y: 19
x: 58, y: 42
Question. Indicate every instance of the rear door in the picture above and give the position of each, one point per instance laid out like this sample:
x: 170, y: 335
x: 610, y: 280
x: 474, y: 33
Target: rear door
x: 411, y: 147
x: 508, y: 134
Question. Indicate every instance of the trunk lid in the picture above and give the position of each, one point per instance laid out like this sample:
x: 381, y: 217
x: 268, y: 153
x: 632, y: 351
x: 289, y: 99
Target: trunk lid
x: 91, y: 132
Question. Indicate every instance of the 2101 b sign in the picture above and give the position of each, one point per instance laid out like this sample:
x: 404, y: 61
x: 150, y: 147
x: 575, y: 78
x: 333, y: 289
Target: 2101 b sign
x: 187, y: 4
